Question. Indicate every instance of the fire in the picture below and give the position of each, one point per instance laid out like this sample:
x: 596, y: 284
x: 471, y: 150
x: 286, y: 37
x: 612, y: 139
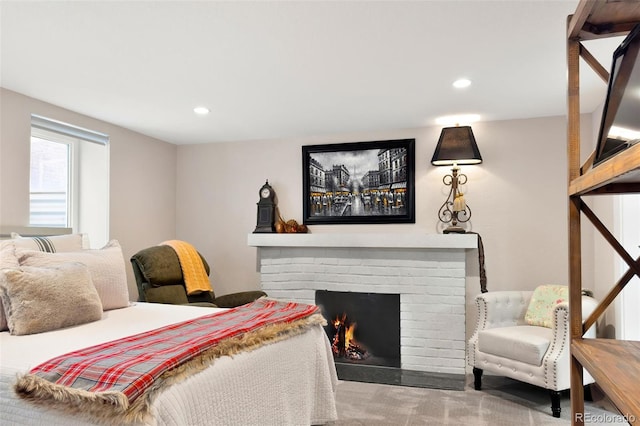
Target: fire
x: 348, y: 334
x: 344, y: 343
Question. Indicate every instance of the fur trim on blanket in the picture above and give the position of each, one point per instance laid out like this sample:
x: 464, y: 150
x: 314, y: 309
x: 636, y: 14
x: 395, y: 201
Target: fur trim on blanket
x: 114, y: 407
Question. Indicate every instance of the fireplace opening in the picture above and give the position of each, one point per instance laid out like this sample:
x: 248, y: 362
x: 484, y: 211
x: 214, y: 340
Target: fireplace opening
x: 363, y: 328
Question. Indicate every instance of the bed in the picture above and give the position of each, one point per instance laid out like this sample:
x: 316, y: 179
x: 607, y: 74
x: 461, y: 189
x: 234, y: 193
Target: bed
x: 289, y: 380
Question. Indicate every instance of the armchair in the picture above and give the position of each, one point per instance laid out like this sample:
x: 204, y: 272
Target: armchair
x: 159, y: 279
x: 507, y: 342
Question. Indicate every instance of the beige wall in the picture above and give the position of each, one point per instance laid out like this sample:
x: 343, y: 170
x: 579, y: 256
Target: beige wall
x: 142, y: 175
x: 518, y: 197
x: 207, y: 194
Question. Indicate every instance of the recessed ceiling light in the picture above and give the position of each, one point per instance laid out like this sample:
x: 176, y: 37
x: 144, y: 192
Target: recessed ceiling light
x: 454, y: 120
x: 201, y: 110
x: 462, y: 83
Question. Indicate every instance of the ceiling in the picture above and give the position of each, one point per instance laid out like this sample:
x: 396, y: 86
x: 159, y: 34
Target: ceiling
x: 292, y: 69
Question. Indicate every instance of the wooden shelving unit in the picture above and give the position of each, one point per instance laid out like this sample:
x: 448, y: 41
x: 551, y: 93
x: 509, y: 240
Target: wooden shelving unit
x: 614, y: 364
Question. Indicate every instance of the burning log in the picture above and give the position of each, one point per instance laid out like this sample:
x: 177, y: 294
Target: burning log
x: 343, y: 344
x: 355, y: 352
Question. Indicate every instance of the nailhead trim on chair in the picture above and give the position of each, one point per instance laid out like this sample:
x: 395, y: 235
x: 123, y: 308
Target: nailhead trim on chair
x: 562, y: 314
x: 482, y: 317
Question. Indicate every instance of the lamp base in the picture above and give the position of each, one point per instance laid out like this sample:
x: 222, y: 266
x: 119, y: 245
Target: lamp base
x: 454, y: 230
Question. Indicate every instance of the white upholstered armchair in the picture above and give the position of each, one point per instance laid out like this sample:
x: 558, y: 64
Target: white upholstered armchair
x: 507, y: 344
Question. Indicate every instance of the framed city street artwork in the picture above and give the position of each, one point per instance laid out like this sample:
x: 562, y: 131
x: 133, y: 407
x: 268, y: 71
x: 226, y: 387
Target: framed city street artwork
x: 359, y: 182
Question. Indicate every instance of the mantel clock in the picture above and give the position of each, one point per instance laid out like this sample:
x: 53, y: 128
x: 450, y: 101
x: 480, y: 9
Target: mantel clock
x: 266, y: 218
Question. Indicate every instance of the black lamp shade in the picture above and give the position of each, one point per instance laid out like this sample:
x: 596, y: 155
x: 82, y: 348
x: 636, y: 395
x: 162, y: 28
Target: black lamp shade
x: 456, y: 145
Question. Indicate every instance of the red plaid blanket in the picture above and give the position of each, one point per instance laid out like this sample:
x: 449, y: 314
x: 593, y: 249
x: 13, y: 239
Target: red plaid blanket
x: 132, y: 364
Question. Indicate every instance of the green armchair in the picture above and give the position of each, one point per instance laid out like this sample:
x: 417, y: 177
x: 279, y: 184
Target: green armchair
x: 159, y: 280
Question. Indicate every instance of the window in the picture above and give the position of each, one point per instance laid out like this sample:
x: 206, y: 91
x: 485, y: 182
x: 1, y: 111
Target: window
x: 49, y: 185
x: 69, y: 178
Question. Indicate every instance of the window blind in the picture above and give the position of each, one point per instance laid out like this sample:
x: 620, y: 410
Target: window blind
x: 56, y: 126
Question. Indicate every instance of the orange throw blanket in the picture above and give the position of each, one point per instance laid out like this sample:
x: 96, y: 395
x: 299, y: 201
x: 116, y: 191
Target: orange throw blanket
x: 195, y: 276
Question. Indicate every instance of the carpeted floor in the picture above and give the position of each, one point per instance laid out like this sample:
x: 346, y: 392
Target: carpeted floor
x: 502, y: 402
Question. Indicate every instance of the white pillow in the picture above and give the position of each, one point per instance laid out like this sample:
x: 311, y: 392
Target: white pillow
x: 45, y: 299
x: 8, y: 260
x: 52, y: 244
x: 106, y: 266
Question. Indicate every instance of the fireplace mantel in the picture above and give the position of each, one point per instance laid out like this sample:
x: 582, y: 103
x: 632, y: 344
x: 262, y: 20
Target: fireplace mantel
x: 370, y: 240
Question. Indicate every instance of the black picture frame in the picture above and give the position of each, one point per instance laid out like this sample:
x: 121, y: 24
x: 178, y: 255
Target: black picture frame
x: 359, y: 182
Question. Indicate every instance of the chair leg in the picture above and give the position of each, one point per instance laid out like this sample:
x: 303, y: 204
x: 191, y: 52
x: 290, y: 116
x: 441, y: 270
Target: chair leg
x: 588, y: 396
x: 555, y: 403
x: 477, y: 378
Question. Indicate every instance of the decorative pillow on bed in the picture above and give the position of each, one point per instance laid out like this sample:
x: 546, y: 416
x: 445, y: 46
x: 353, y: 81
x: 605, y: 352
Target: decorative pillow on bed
x: 543, y: 301
x: 44, y: 299
x: 8, y: 259
x: 52, y: 244
x: 106, y: 266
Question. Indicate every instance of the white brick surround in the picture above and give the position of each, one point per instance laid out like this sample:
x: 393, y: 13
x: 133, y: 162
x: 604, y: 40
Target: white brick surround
x: 428, y: 271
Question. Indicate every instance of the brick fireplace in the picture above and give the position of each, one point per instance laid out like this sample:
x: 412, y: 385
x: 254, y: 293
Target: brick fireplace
x: 427, y: 271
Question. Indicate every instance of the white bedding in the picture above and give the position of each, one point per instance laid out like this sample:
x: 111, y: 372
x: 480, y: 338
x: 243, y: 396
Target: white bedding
x: 291, y: 382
